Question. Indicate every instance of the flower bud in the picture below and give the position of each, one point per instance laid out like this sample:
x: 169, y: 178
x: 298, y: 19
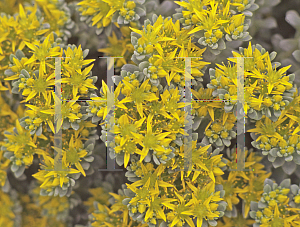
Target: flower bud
x: 28, y: 160
x: 273, y: 142
x: 207, y: 34
x: 272, y: 194
x: 267, y: 147
x: 218, y: 34
x: 264, y: 139
x: 188, y: 21
x: 123, y: 12
x: 280, y: 88
x: 241, y: 8
x: 215, y: 136
x: 136, y: 83
x: 282, y: 103
x: 268, y: 102
x: 282, y: 143
x: 154, y: 89
x: 133, y: 210
x: 293, y: 140
x: 297, y: 199
x: 282, y: 151
x: 238, y: 19
x: 140, y: 49
x: 285, y: 191
x: 177, y: 78
x: 37, y: 121
x: 214, y: 82
x: 142, y: 208
x: 267, y: 212
x: 131, y: 13
x: 131, y: 4
x: 272, y: 203
x: 21, y: 85
x: 30, y: 82
x: 282, y: 198
x: 224, y: 134
x: 153, y: 69
x: 290, y: 150
x: 258, y: 214
x: 216, y: 127
x: 28, y: 120
x: 85, y: 133
x: 276, y: 106
x: 18, y: 162
x: 231, y: 28
x: 83, y: 90
x: 153, y: 221
x: 277, y: 98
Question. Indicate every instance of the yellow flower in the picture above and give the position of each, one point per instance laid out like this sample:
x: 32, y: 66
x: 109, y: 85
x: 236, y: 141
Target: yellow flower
x: 76, y: 78
x: 52, y: 178
x: 151, y: 140
x: 42, y: 51
x: 100, y: 11
x: 268, y: 128
x: 74, y: 154
x: 138, y: 95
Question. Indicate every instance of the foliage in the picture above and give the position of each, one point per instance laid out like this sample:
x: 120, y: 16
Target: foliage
x: 177, y: 152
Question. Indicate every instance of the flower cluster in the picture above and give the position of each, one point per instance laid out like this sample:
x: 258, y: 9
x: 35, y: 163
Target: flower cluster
x: 58, y: 180
x: 142, y: 87
x: 220, y: 132
x: 278, y: 140
x: 160, y: 49
x: 18, y: 149
x: 245, y: 185
x: 15, y: 31
x: 102, y: 13
x: 172, y: 205
x: 267, y: 91
x: 116, y: 215
x: 57, y: 14
x: 273, y: 208
x: 152, y: 121
x: 34, y: 76
x: 212, y: 21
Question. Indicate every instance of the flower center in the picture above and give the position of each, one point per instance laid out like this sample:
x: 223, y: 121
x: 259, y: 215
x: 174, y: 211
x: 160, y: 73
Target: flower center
x: 150, y: 140
x: 40, y: 85
x: 72, y: 156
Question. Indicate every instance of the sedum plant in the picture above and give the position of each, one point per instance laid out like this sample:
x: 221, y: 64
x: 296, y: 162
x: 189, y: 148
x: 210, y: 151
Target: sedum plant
x: 177, y: 169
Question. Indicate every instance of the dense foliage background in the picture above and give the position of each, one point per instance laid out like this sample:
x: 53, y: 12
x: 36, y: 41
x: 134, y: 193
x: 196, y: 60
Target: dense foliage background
x: 96, y: 198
